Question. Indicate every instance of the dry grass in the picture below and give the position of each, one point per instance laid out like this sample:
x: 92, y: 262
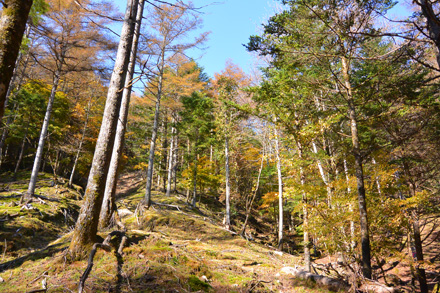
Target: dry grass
x: 169, y: 250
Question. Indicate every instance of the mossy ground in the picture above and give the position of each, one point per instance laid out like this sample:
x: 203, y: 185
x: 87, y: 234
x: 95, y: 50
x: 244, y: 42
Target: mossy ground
x: 169, y: 250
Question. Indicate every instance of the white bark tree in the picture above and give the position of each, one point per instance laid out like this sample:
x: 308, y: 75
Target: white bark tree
x: 86, y: 227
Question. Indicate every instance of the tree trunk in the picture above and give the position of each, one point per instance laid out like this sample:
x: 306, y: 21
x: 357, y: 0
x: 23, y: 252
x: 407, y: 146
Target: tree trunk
x: 433, y: 24
x: 83, y: 135
x: 188, y: 147
x: 280, y: 192
x: 154, y: 133
x: 228, y: 187
x: 194, y: 200
x: 307, y: 264
x: 352, y: 228
x: 175, y: 160
x: 39, y: 155
x: 11, y: 87
x: 324, y: 178
x: 420, y: 271
x: 109, y: 201
x: 165, y: 152
x: 171, y: 159
x: 20, y: 156
x: 86, y: 227
x: 12, y: 26
x: 249, y: 204
x: 365, y: 235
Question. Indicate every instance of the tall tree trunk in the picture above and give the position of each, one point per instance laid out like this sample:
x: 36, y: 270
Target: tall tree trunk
x: 352, y: 228
x: 20, y: 156
x: 165, y: 152
x: 154, y: 133
x: 194, y: 200
x: 420, y: 271
x: 280, y: 192
x: 9, y: 92
x: 83, y: 135
x: 188, y: 148
x: 109, y: 201
x: 172, y: 156
x: 175, y: 160
x: 365, y: 235
x: 39, y: 155
x: 87, y: 224
x: 307, y: 264
x: 433, y: 24
x: 377, y: 179
x: 324, y: 178
x: 249, y: 203
x: 228, y: 186
x: 12, y: 26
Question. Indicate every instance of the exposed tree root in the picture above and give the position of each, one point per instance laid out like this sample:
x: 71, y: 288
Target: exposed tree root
x: 107, y: 247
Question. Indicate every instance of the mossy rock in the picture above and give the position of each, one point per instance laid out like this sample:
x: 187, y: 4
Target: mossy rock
x: 195, y: 284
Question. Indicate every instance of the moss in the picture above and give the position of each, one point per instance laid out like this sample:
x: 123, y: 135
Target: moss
x: 196, y: 284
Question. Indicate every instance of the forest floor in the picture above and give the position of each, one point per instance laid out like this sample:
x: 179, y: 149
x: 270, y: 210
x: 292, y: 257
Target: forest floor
x: 171, y: 247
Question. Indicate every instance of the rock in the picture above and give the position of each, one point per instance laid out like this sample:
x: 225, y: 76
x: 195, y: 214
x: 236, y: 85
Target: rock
x: 278, y: 253
x: 289, y: 271
x: 329, y: 283
x: 205, y: 279
x: 1, y: 280
x: 372, y: 286
x: 124, y: 213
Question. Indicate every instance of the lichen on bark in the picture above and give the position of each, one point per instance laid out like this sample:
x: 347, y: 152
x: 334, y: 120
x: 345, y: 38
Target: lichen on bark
x: 12, y: 25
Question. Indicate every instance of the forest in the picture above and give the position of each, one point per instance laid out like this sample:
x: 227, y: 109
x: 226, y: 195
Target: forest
x: 125, y: 167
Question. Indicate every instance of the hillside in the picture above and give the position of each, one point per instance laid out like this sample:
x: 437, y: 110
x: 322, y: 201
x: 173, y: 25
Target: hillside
x: 170, y: 248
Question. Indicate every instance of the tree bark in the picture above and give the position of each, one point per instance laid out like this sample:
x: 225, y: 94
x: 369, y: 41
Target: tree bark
x: 280, y: 192
x: 325, y: 178
x: 352, y: 228
x: 86, y: 227
x: 20, y: 156
x: 8, y: 94
x: 12, y: 26
x: 155, y: 129
x: 228, y: 186
x: 175, y: 160
x: 194, y: 200
x: 365, y: 235
x: 249, y: 204
x: 39, y: 155
x: 83, y: 135
x: 171, y: 161
x: 433, y: 24
x: 307, y: 263
x: 420, y: 271
x: 165, y: 152
x: 109, y: 201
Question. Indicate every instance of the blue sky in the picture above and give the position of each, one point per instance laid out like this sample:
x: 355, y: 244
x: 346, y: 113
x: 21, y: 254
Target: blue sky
x: 231, y: 22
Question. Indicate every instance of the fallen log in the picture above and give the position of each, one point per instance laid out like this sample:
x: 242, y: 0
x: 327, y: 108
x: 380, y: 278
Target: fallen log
x: 327, y: 282
x: 337, y: 285
x: 373, y: 286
